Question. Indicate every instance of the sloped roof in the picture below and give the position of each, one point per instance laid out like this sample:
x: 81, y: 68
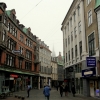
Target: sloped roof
x: 97, y: 3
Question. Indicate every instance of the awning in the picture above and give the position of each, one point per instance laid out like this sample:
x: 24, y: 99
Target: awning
x: 17, y: 71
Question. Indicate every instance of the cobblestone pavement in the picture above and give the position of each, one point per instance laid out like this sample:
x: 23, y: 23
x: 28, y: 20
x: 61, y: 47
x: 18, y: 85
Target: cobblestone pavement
x: 38, y: 95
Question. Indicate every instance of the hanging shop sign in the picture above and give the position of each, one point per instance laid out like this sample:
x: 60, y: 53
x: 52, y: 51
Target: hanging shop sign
x: 91, y: 61
x: 89, y: 72
x: 13, y: 75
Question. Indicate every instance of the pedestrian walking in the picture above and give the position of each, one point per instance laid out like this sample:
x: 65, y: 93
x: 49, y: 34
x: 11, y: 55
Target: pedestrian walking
x: 66, y: 90
x: 46, y: 92
x: 28, y: 90
x: 61, y: 90
x: 73, y: 90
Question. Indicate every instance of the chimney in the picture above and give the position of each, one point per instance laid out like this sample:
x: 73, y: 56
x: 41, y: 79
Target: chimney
x: 29, y: 29
x: 3, y: 5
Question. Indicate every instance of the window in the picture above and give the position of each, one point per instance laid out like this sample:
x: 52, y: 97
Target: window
x: 78, y: 10
x: 72, y: 53
x: 69, y: 55
x: 11, y: 44
x: 28, y: 65
x: 21, y: 50
x: 4, y: 35
x: 66, y: 57
x: 29, y: 54
x: 5, y: 19
x: 68, y: 40
x: 89, y: 18
x: 79, y: 27
x: 71, y: 22
x: 80, y: 45
x: 21, y: 37
x: 8, y: 26
x: 10, y: 60
x: 75, y: 31
x: 74, y: 16
x: 15, y: 33
x: 88, y: 2
x: 20, y: 64
x: 76, y: 50
x: 68, y: 26
x: 11, y: 28
x: 91, y: 44
x: 72, y: 36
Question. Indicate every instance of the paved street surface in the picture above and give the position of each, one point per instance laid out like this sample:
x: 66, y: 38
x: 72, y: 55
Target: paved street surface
x: 38, y: 95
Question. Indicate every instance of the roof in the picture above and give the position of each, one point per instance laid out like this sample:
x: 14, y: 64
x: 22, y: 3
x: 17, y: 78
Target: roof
x: 8, y: 12
x: 97, y: 4
x: 25, y: 30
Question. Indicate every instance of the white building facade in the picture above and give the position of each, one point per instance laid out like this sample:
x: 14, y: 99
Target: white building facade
x: 45, y: 64
x: 74, y: 44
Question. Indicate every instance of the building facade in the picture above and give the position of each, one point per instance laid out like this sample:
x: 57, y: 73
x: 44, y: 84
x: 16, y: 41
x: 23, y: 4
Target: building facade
x: 60, y: 68
x: 74, y: 44
x: 81, y: 47
x: 17, y: 53
x: 54, y: 74
x: 45, y: 64
x: 91, y: 31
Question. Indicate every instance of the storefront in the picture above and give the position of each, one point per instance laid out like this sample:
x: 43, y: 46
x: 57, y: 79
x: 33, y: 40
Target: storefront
x: 90, y: 82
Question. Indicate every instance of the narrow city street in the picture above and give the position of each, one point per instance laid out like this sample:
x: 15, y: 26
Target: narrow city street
x: 38, y: 95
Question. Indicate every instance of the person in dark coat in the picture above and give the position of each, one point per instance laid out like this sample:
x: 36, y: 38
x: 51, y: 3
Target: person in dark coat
x: 66, y: 90
x: 61, y: 90
x: 73, y: 90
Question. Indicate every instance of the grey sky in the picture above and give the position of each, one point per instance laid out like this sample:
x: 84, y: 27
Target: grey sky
x: 44, y: 17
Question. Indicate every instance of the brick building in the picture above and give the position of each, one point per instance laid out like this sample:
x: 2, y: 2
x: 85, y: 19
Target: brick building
x: 18, y: 52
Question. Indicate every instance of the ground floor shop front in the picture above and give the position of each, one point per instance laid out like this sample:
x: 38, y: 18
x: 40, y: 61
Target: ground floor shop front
x: 16, y: 82
x: 91, y: 86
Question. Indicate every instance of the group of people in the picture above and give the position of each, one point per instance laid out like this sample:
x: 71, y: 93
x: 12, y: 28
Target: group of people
x: 66, y: 90
x: 46, y: 90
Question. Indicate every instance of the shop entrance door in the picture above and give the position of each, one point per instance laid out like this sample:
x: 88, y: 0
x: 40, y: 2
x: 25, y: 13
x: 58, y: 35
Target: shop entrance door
x: 93, y: 87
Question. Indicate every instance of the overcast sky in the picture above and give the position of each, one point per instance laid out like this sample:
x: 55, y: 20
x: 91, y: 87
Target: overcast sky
x: 44, y: 17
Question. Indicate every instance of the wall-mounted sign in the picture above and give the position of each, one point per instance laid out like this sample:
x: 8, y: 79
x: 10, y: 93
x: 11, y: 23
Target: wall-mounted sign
x: 16, y: 51
x: 89, y: 72
x: 91, y: 61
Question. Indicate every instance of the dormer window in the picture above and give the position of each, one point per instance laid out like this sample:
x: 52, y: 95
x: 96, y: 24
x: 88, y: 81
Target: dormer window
x: 5, y: 19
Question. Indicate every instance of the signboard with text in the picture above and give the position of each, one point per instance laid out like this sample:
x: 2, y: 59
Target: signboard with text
x: 89, y: 72
x: 91, y: 61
